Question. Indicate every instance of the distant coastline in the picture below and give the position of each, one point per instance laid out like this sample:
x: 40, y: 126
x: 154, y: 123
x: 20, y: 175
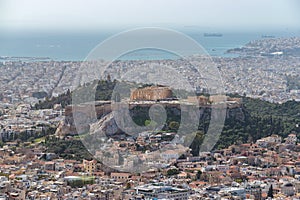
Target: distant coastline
x: 23, y: 58
x: 70, y: 48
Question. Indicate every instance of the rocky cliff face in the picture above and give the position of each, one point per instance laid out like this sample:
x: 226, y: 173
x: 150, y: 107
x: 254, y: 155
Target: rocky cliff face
x: 107, y: 125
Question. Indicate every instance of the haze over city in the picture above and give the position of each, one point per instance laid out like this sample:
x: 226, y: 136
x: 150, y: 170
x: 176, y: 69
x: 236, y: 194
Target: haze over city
x: 149, y: 99
x: 96, y: 15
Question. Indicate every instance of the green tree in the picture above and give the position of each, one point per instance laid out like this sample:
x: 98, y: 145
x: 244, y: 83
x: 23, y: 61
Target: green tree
x: 270, y: 192
x: 197, y: 139
x: 198, y: 175
x: 173, y: 125
x: 172, y: 172
x: 128, y: 185
x: 150, y: 123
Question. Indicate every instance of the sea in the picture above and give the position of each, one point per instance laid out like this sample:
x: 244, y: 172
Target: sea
x: 33, y: 46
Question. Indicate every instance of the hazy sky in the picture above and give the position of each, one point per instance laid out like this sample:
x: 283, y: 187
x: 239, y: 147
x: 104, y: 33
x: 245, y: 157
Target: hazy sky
x: 97, y: 14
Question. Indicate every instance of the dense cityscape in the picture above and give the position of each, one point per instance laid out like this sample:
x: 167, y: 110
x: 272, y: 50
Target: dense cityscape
x: 268, y: 168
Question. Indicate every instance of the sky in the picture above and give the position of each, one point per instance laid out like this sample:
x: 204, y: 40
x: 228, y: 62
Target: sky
x: 100, y: 14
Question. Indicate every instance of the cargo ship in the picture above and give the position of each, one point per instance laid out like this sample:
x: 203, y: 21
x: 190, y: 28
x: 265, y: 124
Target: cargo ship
x: 213, y: 35
x: 268, y: 36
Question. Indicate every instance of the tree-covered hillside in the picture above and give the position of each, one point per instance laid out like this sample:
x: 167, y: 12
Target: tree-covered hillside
x: 261, y: 119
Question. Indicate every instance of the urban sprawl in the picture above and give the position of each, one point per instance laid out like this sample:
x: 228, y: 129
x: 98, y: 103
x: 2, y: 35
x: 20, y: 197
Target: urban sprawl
x: 268, y: 168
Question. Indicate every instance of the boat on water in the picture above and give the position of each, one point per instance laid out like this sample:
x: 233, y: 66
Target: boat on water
x: 268, y: 36
x: 212, y: 34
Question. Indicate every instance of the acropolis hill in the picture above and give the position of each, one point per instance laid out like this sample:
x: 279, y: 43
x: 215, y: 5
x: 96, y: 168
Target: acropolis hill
x: 145, y: 98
